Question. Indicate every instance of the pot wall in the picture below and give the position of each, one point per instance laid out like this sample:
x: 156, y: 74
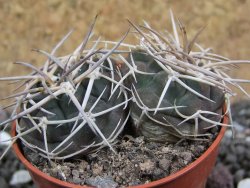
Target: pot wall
x: 192, y: 176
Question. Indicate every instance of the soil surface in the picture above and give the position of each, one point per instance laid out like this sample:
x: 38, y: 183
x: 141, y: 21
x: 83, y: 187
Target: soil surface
x: 136, y: 162
x: 231, y: 168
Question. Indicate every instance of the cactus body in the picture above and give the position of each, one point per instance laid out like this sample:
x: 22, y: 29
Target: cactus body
x: 149, y: 89
x: 65, y: 109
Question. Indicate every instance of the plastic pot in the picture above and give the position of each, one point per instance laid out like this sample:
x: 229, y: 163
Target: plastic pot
x: 192, y: 176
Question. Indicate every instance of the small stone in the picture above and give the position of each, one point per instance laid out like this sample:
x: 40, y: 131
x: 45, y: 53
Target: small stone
x: 148, y: 165
x: 20, y: 177
x: 76, y: 180
x: 65, y: 169
x: 117, y: 179
x: 139, y: 140
x: 53, y: 164
x: 245, y: 164
x: 220, y: 177
x: 231, y: 158
x: 239, y: 175
x: 165, y: 149
x: 3, y: 183
x: 248, y: 139
x: 97, y: 169
x: 164, y: 164
x: 81, y: 172
x: 151, y: 145
x: 238, y: 127
x: 75, y: 173
x: 135, y: 182
x: 159, y: 174
x: 248, y: 154
x: 102, y: 182
x: 235, y: 167
x: 70, y: 165
x: 228, y: 134
x: 3, y: 137
x: 83, y: 165
x: 187, y: 157
x: 245, y: 183
x: 61, y: 175
x: 240, y: 150
x: 53, y: 172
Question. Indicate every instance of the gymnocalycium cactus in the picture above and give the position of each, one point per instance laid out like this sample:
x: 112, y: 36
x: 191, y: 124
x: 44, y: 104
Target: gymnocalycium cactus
x: 167, y: 74
x: 73, y: 104
x: 81, y: 102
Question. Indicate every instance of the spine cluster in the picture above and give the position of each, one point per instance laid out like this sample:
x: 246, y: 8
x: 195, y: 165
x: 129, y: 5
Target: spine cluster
x: 81, y: 102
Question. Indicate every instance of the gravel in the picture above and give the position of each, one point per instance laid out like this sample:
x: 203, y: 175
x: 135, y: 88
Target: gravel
x: 234, y: 153
x: 232, y: 164
x: 220, y: 178
x: 136, y: 162
x: 9, y: 165
x: 245, y: 183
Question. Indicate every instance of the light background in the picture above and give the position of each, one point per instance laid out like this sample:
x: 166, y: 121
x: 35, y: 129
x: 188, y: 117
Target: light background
x: 27, y: 24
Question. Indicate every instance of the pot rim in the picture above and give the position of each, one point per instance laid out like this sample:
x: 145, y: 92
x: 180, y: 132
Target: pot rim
x: 169, y: 178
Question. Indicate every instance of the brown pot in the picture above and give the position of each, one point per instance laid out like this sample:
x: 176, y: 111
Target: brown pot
x: 192, y: 176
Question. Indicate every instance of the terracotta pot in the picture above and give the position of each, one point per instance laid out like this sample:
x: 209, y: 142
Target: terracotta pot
x: 192, y: 176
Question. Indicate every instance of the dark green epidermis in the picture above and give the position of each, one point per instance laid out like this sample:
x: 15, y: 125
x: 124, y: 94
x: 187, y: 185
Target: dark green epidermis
x: 65, y: 109
x: 150, y: 87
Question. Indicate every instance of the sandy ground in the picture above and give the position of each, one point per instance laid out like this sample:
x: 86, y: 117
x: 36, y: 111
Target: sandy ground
x: 27, y: 24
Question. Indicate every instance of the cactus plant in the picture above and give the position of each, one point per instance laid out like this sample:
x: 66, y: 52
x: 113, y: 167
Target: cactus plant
x: 79, y: 103
x: 166, y: 73
x: 72, y: 105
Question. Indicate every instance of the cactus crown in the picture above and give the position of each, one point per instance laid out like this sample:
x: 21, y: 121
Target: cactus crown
x: 81, y: 102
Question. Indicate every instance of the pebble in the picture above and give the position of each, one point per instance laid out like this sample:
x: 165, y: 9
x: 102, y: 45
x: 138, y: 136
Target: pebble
x: 248, y: 155
x: 220, y: 178
x: 240, y: 150
x: 231, y: 158
x: 102, y: 182
x: 3, y: 183
x: 159, y: 173
x: 237, y: 158
x: 164, y: 164
x: 238, y: 127
x: 245, y: 183
x: 247, y: 139
x: 148, y: 165
x: 235, y: 152
x: 228, y: 134
x: 75, y: 173
x: 3, y: 137
x: 187, y: 157
x: 20, y: 177
x: 76, y: 180
x: 239, y: 175
x: 235, y: 167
